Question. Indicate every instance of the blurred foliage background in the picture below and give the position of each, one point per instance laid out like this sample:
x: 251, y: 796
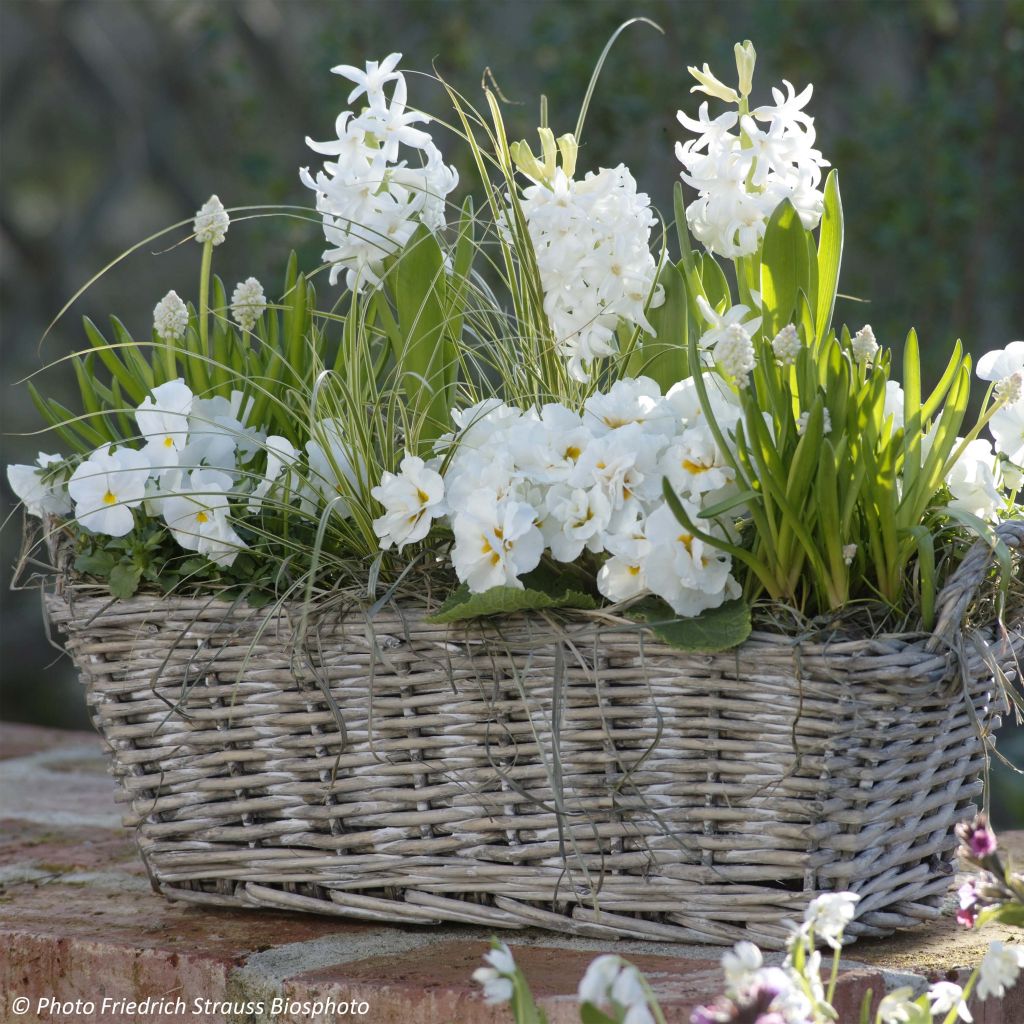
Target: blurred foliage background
x: 119, y: 117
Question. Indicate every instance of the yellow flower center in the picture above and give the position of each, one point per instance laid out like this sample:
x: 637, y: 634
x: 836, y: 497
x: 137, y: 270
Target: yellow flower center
x: 572, y: 452
x: 202, y: 517
x: 694, y: 467
x: 423, y: 496
x: 168, y: 442
x: 109, y: 498
x: 686, y: 539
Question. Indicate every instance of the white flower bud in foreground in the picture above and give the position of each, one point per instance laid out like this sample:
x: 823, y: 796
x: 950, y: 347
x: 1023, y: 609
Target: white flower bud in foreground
x: 735, y: 354
x: 849, y: 553
x: 787, y: 345
x: 708, y: 84
x: 746, y: 57
x: 864, y: 345
x: 248, y: 303
x: 170, y: 317
x: 211, y: 223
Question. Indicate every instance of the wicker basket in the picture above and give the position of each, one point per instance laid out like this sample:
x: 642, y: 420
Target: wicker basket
x: 565, y: 773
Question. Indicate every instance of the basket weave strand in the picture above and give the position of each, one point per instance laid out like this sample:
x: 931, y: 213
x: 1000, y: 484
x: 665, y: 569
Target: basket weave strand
x: 570, y: 773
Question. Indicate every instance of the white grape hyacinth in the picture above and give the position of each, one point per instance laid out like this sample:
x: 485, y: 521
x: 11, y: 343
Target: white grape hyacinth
x: 829, y: 914
x: 412, y: 499
x: 197, y: 515
x: 864, y: 345
x: 248, y: 303
x: 211, y: 222
x: 163, y: 422
x: 787, y: 345
x: 385, y: 176
x: 170, y: 317
x: 41, y: 496
x: 106, y: 487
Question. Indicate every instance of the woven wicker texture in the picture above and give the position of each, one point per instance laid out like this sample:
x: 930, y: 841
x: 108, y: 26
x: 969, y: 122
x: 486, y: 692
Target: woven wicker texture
x: 565, y: 773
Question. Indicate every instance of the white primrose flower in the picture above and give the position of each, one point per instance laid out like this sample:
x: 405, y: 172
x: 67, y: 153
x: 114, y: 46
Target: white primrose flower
x: 333, y: 472
x: 163, y: 422
x: 372, y: 195
x: 740, y: 965
x: 495, y: 542
x: 197, y: 514
x: 974, y: 482
x: 40, y: 496
x: 574, y: 519
x: 592, y: 243
x: 412, y: 499
x: 687, y: 573
x: 684, y: 401
x: 170, y: 317
x: 211, y: 223
x: 248, y: 303
x: 106, y: 487
x: 787, y: 345
x: 999, y: 970
x: 829, y: 914
x: 628, y: 401
x: 694, y: 464
x: 281, y: 454
x: 863, y: 345
x: 1007, y: 427
x: 943, y: 996
x: 622, y: 576
x: 1002, y: 362
x: 496, y: 978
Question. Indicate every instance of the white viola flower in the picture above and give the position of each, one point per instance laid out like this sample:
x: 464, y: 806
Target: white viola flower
x: 849, y: 553
x: 687, y: 573
x: 163, y: 422
x: 694, y: 464
x: 496, y: 542
x: 787, y: 345
x: 170, y: 317
x: 106, y: 487
x: 1002, y: 362
x: 248, y: 303
x: 591, y: 239
x: 198, y: 515
x: 734, y: 354
x: 412, y: 499
x: 574, y: 519
x: 863, y: 345
x: 974, y: 482
x: 622, y: 576
x: 370, y: 82
x: 944, y: 996
x: 334, y: 473
x: 740, y: 965
x: 219, y: 434
x: 211, y: 223
x: 42, y: 494
x: 281, y: 454
x: 719, y: 324
x: 1007, y: 427
x: 829, y: 914
x: 999, y: 969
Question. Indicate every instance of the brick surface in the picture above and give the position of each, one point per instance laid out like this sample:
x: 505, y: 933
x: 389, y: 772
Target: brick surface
x: 79, y: 921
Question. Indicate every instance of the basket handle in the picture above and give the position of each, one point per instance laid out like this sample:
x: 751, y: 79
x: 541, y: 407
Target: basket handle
x: 962, y: 587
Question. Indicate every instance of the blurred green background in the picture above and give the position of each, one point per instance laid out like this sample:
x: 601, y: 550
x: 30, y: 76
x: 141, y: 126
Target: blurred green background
x: 119, y: 117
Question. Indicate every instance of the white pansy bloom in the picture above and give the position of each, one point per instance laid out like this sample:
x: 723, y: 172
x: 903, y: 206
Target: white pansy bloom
x: 1013, y: 477
x: 170, y: 317
x: 974, y: 482
x: 281, y: 454
x: 829, y: 914
x: 384, y: 177
x: 1002, y: 362
x: 496, y: 542
x: 574, y: 519
x: 740, y: 965
x: 725, y: 403
x: 944, y: 996
x: 41, y: 497
x: 198, y: 515
x: 248, y: 303
x: 412, y: 499
x: 1007, y: 427
x: 219, y: 434
x: 163, y: 421
x: 999, y: 969
x: 334, y: 474
x: 863, y: 345
x: 787, y: 345
x: 591, y: 239
x: 211, y: 223
x: 496, y: 976
x: 106, y: 487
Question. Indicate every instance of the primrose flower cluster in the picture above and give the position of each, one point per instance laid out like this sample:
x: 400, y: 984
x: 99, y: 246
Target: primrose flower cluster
x: 370, y: 195
x: 515, y: 484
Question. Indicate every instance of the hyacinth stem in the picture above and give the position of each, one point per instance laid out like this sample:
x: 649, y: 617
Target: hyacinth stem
x: 834, y: 976
x: 204, y: 298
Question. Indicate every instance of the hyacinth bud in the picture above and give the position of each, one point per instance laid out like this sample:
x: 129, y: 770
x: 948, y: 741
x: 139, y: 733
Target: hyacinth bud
x: 787, y: 344
x: 746, y: 57
x: 211, y: 223
x: 170, y: 317
x: 864, y: 345
x: 708, y: 84
x: 248, y: 303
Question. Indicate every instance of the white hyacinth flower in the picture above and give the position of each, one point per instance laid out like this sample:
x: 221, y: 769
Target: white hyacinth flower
x: 370, y: 82
x: 829, y: 914
x: 170, y: 317
x: 40, y: 496
x: 944, y: 996
x: 611, y: 982
x: 849, y: 553
x: 1009, y: 389
x: 496, y: 978
x: 412, y: 499
x: 740, y: 965
x: 211, y: 223
x: 898, y: 1007
x: 801, y: 423
x: 1002, y: 362
x: 863, y: 345
x: 248, y: 303
x: 106, y: 487
x: 999, y: 970
x: 496, y: 542
x: 163, y: 422
x: 734, y: 354
x: 787, y: 345
x: 197, y: 515
x: 719, y: 324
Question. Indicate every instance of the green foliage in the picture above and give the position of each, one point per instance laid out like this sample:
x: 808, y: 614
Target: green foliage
x: 716, y: 629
